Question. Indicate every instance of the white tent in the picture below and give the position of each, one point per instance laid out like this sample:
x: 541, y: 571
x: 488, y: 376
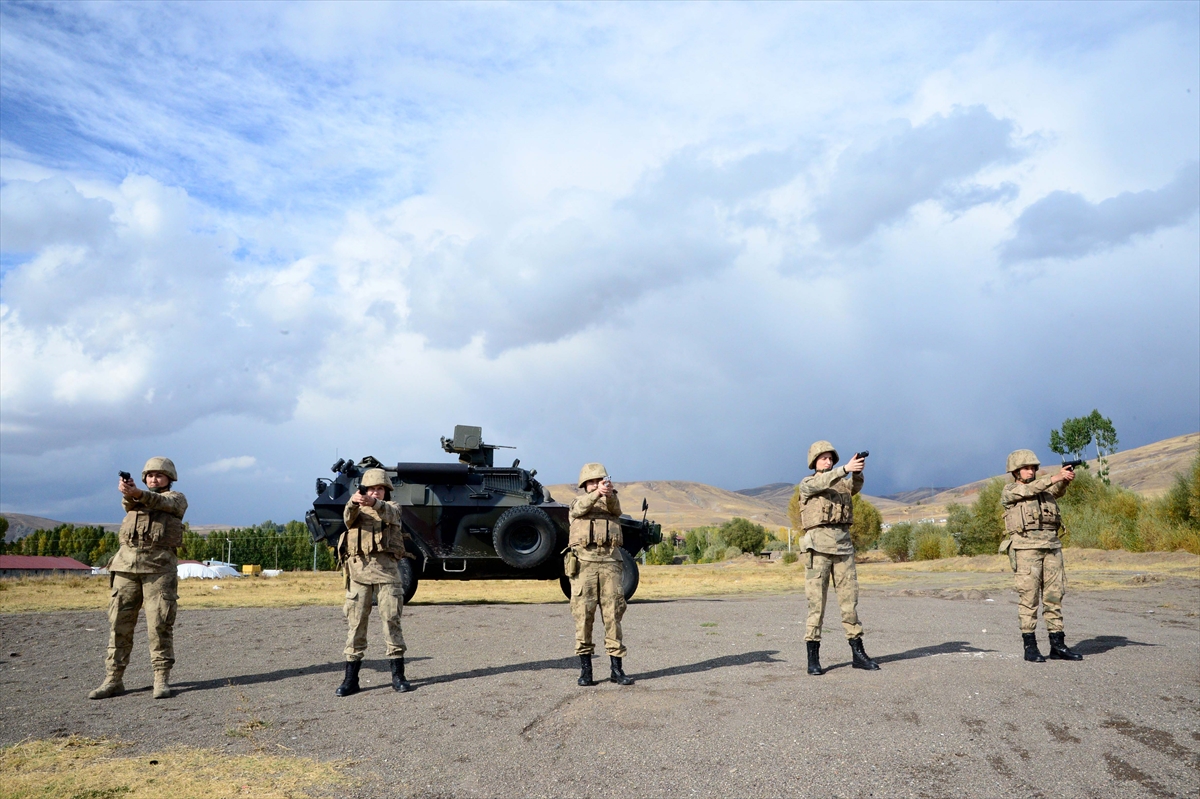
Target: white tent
x: 222, y: 568
x: 193, y: 569
x: 209, y: 570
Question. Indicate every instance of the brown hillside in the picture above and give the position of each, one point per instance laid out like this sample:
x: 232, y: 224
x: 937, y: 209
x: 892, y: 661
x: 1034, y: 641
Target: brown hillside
x: 1148, y: 470
x: 681, y: 505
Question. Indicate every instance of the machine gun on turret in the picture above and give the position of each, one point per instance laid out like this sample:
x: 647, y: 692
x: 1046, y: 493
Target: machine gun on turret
x: 468, y: 445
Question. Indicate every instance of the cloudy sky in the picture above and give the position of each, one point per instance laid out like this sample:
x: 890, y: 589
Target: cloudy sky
x: 683, y: 239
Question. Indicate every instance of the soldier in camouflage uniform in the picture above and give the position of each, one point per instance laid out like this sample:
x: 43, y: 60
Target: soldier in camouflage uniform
x: 371, y: 550
x: 1032, y: 521
x: 826, y: 512
x: 143, y: 572
x: 593, y: 564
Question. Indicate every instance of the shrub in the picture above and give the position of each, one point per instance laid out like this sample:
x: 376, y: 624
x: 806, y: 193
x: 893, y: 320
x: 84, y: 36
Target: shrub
x: 978, y: 530
x: 714, y: 554
x: 896, y: 541
x: 731, y: 553
x: 790, y: 557
x: 930, y: 542
x: 1099, y: 515
x: 867, y: 525
x: 1181, y: 505
x: 744, y: 534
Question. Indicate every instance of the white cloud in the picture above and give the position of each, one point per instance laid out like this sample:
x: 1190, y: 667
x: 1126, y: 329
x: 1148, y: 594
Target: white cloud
x: 224, y: 465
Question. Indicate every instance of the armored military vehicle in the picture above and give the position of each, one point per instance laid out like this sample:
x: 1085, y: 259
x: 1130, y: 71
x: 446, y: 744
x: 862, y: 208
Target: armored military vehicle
x: 472, y: 520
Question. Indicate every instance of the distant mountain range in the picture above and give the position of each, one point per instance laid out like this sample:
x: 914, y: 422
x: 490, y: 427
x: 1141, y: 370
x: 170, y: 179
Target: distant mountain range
x: 681, y: 505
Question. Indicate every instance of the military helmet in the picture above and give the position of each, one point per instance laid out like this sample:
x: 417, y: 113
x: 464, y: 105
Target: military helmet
x: 592, y: 471
x: 1020, y: 459
x: 817, y: 449
x: 375, y: 477
x: 164, y: 465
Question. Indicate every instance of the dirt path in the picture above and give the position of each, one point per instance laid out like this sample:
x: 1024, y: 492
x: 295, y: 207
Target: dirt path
x: 722, y: 705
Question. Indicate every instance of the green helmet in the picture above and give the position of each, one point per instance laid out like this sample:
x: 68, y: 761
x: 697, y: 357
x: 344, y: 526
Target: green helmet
x: 1020, y: 459
x: 592, y: 471
x: 375, y: 477
x: 160, y: 464
x: 817, y: 450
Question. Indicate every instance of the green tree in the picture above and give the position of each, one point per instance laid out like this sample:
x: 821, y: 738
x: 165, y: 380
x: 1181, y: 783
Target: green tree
x: 794, y: 510
x: 1077, y: 433
x: 661, y: 554
x: 868, y: 523
x: 744, y: 534
x: 979, y: 529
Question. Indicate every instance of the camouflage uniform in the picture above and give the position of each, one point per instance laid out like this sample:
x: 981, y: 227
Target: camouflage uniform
x: 826, y: 513
x: 1032, y: 521
x: 371, y: 549
x: 594, y: 539
x: 1031, y: 517
x: 144, y: 573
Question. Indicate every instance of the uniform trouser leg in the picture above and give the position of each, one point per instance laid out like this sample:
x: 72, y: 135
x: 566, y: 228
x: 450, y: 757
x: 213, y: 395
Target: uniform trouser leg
x: 845, y: 582
x: 1054, y: 587
x: 817, y: 576
x: 391, y: 606
x: 1041, y: 581
x: 160, y: 596
x: 125, y: 600
x: 357, y: 610
x: 585, y: 597
x: 612, y: 606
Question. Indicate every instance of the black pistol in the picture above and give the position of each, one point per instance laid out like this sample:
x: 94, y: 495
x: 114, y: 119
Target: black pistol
x: 862, y: 454
x: 126, y: 476
x: 362, y: 490
x: 1072, y: 464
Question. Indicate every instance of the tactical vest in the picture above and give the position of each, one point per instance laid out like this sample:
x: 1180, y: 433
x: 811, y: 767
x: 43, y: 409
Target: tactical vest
x: 1036, y: 513
x: 370, y: 536
x: 833, y: 506
x: 149, y: 529
x: 602, y: 529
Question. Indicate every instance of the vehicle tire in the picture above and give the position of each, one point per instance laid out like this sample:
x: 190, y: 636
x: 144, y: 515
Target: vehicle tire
x: 409, y: 578
x: 524, y: 536
x: 564, y: 583
x: 629, y: 579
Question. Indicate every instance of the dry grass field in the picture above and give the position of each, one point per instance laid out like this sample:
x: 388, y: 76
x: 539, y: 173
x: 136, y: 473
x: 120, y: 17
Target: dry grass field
x: 88, y: 768
x: 1087, y: 569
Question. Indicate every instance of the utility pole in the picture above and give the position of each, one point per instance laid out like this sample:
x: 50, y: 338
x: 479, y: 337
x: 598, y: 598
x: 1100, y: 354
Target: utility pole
x: 229, y: 554
x: 314, y: 555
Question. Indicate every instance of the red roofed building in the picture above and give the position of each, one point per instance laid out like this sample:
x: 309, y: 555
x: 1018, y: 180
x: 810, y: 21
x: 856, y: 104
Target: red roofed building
x: 40, y: 565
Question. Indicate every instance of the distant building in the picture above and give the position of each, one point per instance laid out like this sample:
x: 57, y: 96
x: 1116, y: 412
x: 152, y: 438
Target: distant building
x: 40, y: 566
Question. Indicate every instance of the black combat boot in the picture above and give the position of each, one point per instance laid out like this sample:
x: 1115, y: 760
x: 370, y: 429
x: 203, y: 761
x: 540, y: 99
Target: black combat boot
x: 814, y: 658
x: 618, y: 673
x: 1059, y: 650
x: 1031, y: 651
x: 398, y: 682
x: 349, y: 684
x: 585, y: 670
x: 861, y: 661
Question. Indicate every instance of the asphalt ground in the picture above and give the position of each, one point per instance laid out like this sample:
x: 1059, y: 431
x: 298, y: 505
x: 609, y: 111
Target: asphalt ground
x: 722, y: 705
